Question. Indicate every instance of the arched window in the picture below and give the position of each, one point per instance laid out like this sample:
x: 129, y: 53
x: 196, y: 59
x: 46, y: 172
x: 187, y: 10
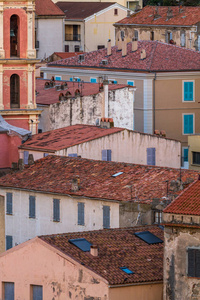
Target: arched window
x: 136, y: 34
x: 14, y: 91
x: 14, y: 35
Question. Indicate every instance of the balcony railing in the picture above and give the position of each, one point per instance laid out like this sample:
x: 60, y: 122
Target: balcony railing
x: 72, y: 37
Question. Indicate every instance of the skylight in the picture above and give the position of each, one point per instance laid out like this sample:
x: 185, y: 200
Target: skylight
x: 127, y: 270
x: 117, y: 174
x: 82, y: 244
x: 148, y: 237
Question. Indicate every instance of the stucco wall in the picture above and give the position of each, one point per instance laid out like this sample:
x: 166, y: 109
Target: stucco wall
x: 2, y: 223
x: 193, y: 146
x: 50, y: 36
x: 22, y: 228
x: 9, y: 150
x: 61, y: 277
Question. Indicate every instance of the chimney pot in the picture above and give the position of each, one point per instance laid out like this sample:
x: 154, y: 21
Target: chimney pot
x: 143, y: 54
x: 94, y: 250
x: 124, y: 48
x: 30, y: 160
x: 134, y: 44
x: 128, y: 13
x: 75, y: 184
x: 109, y: 47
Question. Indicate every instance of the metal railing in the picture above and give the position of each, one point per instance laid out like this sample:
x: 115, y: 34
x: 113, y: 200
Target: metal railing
x: 72, y: 37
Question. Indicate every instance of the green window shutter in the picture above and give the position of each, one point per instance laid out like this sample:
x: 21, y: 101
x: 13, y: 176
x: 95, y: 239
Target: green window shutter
x: 106, y: 216
x: 9, y: 203
x: 81, y: 208
x: 31, y: 206
x: 188, y: 91
x: 56, y: 210
x: 9, y: 242
x: 188, y: 124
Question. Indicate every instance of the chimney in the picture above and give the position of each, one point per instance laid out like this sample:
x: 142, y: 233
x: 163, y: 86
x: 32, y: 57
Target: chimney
x: 105, y: 99
x: 124, y: 48
x: 169, y: 13
x: 181, y: 9
x: 109, y: 47
x: 106, y: 123
x: 21, y: 164
x: 30, y: 160
x: 94, y: 250
x: 128, y: 13
x: 75, y: 184
x: 134, y: 44
x: 143, y: 54
x: 119, y: 44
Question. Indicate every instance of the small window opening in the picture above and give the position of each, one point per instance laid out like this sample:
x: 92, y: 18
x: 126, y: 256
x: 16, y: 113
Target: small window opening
x: 115, y: 12
x: 152, y: 35
x: 14, y: 91
x: 14, y: 35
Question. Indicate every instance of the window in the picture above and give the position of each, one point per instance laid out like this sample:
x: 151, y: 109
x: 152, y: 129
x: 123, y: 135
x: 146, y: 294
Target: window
x: 9, y: 203
x: 194, y: 262
x: 131, y: 83
x: 136, y: 34
x: 71, y: 79
x: 115, y: 12
x: 185, y: 154
x: 148, y: 237
x: 72, y: 155
x: 81, y: 208
x: 151, y: 156
x: 36, y: 292
x: 58, y: 78
x: 188, y: 90
x: 188, y: 124
x: 8, y: 291
x: 93, y: 80
x: 9, y: 242
x: 122, y: 34
x: 56, y: 210
x: 82, y: 244
x: 76, y: 48
x: 14, y: 35
x: 14, y: 91
x: 168, y: 37
x: 72, y: 33
x: 152, y: 35
x: 106, y: 155
x: 66, y: 48
x: 196, y: 158
x: 32, y: 207
x: 127, y: 270
x: 45, y: 154
x: 106, y: 216
x: 182, y: 38
x: 157, y: 217
x: 26, y: 154
x: 100, y: 47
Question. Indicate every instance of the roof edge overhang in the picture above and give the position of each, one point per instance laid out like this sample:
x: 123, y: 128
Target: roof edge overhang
x: 154, y: 25
x: 135, y: 284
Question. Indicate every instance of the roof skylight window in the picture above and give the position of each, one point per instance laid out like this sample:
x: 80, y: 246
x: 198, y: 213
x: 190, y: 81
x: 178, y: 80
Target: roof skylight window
x: 117, y: 174
x: 127, y: 270
x: 82, y: 244
x: 148, y: 237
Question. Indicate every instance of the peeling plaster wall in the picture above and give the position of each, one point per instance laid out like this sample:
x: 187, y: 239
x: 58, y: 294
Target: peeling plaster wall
x: 177, y: 285
x: 61, y: 277
x: 2, y: 223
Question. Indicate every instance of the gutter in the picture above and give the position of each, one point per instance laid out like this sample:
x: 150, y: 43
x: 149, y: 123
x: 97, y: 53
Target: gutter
x: 152, y: 25
x: 134, y: 284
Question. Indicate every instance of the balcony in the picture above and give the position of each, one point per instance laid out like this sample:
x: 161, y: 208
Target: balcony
x: 72, y: 37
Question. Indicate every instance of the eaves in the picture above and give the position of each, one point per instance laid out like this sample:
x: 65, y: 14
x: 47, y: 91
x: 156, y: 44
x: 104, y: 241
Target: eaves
x: 154, y: 25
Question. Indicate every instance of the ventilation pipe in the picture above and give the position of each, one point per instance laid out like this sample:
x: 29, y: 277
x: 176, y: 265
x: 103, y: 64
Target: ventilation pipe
x: 109, y: 47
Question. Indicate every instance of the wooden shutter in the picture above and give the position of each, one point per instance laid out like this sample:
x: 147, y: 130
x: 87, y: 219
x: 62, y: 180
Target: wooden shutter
x: 191, y: 262
x: 37, y: 292
x: 9, y: 242
x: 188, y: 124
x: 9, y: 291
x: 197, y: 263
x: 9, y: 203
x: 31, y: 206
x: 188, y: 91
x: 56, y: 210
x: 81, y: 213
x: 106, y: 216
x: 26, y: 154
x: 106, y: 155
x: 151, y: 156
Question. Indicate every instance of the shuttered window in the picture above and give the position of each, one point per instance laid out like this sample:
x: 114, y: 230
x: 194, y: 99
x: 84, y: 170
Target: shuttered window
x: 72, y: 155
x: 194, y: 262
x: 93, y: 80
x: 9, y: 203
x: 188, y: 124
x: 81, y: 208
x: 106, y: 155
x: 9, y: 242
x: 151, y: 156
x: 106, y: 216
x: 26, y: 154
x: 37, y: 292
x: 9, y: 291
x: 131, y: 83
x: 188, y: 91
x: 56, y: 210
x: 31, y: 206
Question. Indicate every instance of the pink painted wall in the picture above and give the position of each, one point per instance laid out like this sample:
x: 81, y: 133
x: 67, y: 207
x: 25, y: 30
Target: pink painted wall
x: 8, y: 150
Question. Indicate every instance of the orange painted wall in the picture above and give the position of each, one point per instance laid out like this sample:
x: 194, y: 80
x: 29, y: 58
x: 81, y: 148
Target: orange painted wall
x: 21, y: 121
x: 8, y: 150
x: 21, y: 13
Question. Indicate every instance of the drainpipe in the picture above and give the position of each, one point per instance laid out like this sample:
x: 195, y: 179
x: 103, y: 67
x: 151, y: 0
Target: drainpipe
x: 154, y: 101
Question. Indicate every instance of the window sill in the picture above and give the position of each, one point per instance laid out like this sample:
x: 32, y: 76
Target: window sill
x: 195, y: 165
x: 9, y: 214
x: 56, y: 221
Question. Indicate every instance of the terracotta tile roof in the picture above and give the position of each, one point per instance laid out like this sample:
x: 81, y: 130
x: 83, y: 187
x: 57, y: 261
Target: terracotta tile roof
x: 137, y: 183
x: 116, y: 248
x: 159, y: 57
x: 62, y: 138
x: 188, y: 202
x: 63, y: 55
x: 187, y: 17
x: 50, y: 96
x: 47, y: 8
x: 81, y: 10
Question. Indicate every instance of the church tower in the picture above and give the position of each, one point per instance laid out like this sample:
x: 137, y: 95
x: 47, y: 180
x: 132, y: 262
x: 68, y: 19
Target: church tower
x: 17, y: 64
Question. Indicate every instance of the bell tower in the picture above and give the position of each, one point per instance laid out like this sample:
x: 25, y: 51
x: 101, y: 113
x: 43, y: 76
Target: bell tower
x: 17, y: 64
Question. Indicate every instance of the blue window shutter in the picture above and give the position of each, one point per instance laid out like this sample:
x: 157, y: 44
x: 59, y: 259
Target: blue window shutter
x: 191, y: 262
x: 45, y: 154
x: 151, y: 156
x: 78, y: 79
x: 106, y: 216
x: 9, y: 203
x: 115, y: 81
x: 56, y: 210
x: 72, y: 155
x: 185, y: 154
x: 9, y: 241
x: 188, y: 91
x: 58, y: 78
x: 130, y: 83
x: 31, y: 206
x: 37, y: 292
x: 26, y: 154
x: 81, y: 213
x: 93, y: 80
x: 106, y: 155
x: 9, y: 291
x: 188, y: 124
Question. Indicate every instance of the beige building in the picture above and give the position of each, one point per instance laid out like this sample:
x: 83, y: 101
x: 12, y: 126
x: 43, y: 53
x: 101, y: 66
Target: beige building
x: 182, y: 245
x: 176, y: 25
x: 194, y: 152
x: 167, y: 79
x: 103, y: 265
x: 88, y: 25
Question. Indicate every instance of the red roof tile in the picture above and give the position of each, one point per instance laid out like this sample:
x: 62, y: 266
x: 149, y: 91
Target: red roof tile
x: 188, y: 202
x: 50, y: 96
x: 63, y: 55
x: 81, y: 10
x: 116, y: 248
x: 67, y: 137
x: 187, y: 17
x: 47, y: 8
x: 137, y: 183
x: 159, y: 57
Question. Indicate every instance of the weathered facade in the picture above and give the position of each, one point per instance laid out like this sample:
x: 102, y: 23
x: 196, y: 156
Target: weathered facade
x: 194, y: 152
